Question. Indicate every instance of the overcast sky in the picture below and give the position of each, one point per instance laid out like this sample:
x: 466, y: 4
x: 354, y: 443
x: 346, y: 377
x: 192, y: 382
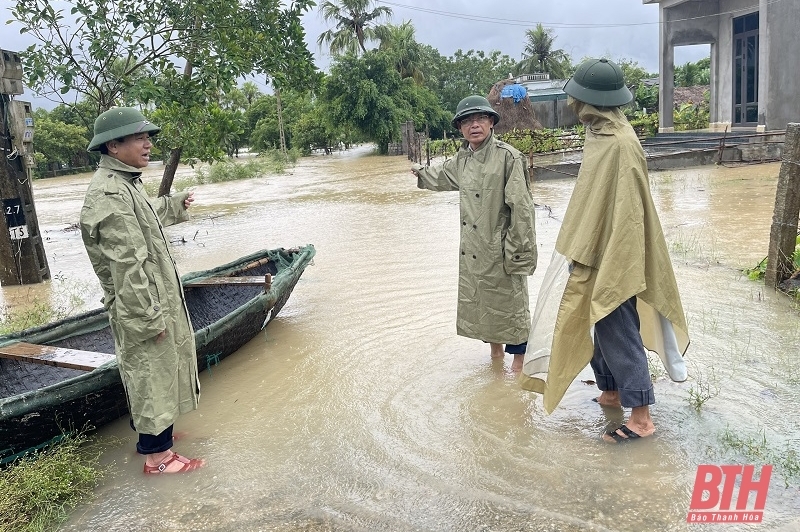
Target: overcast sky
x: 617, y: 29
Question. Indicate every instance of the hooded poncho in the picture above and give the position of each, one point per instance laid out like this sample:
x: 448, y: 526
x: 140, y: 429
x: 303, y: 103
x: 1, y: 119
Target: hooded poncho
x: 609, y: 249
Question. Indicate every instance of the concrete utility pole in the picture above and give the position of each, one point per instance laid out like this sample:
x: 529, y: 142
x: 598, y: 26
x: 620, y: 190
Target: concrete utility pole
x: 783, y: 234
x: 22, y: 258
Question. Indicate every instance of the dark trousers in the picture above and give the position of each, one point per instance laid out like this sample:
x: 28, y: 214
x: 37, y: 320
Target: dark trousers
x: 516, y: 349
x: 619, y: 361
x: 149, y: 444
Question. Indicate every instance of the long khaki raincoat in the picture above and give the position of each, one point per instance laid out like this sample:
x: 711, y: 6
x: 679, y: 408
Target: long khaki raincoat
x: 122, y: 230
x: 498, y: 238
x: 611, y: 240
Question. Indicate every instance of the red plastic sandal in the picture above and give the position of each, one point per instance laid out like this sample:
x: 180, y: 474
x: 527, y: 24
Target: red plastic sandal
x: 189, y: 464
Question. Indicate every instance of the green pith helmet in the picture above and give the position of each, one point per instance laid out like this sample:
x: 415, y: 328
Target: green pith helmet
x: 599, y: 82
x: 471, y: 105
x: 117, y: 123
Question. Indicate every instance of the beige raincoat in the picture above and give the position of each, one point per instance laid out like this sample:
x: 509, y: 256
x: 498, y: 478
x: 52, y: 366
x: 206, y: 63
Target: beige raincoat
x: 122, y: 230
x: 498, y: 238
x: 612, y: 239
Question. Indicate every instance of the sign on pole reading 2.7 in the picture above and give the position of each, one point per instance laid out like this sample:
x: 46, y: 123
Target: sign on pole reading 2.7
x: 15, y: 218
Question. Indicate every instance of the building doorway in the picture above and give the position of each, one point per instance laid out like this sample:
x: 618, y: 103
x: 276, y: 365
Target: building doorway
x: 745, y: 70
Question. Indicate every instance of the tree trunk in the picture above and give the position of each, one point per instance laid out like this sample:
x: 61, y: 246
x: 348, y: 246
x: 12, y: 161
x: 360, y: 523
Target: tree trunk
x: 169, y: 171
x: 175, y: 154
x: 280, y: 119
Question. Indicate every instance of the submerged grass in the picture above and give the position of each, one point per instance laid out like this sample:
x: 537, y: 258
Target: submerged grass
x: 266, y: 163
x: 755, y: 449
x: 68, y: 297
x: 38, y: 491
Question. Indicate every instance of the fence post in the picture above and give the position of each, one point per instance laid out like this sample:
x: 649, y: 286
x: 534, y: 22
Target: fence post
x: 783, y: 234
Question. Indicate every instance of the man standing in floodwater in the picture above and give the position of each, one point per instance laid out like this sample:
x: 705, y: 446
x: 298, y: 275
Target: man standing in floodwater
x: 611, y: 272
x: 498, y: 235
x: 122, y: 229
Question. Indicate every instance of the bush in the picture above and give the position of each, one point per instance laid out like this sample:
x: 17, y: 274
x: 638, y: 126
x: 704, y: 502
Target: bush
x: 38, y: 491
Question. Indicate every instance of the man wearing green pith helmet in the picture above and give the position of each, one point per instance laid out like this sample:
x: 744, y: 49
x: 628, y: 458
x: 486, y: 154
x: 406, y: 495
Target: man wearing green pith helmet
x: 497, y: 232
x: 123, y: 232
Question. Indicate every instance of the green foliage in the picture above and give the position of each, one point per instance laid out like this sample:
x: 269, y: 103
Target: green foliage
x: 690, y: 116
x: 38, y: 491
x: 645, y: 125
x: 758, y: 272
x: 59, y: 142
x: 443, y: 147
x: 464, y: 73
x: 202, y: 131
x: 270, y: 162
x: 691, y: 74
x: 366, y: 93
x: 176, y: 56
x: 399, y: 43
x: 543, y: 140
x: 702, y: 390
x: 355, y: 22
x: 646, y: 97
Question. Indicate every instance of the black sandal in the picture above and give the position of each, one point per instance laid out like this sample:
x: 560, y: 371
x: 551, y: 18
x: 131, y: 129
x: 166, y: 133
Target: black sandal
x: 629, y: 434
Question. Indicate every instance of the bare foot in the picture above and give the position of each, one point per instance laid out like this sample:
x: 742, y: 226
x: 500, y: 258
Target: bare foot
x: 640, y: 425
x: 497, y: 351
x: 170, y: 462
x: 516, y: 366
x: 608, y: 398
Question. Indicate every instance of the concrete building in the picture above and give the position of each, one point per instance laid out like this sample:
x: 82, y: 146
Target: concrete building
x: 755, y: 81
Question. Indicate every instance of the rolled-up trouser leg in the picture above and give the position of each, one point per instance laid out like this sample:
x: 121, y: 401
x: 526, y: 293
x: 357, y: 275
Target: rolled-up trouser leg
x: 619, y: 353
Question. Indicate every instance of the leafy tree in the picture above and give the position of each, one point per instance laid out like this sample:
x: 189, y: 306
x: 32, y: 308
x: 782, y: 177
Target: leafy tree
x: 58, y: 141
x: 464, y: 73
x: 367, y: 94
x: 363, y: 92
x: 540, y: 56
x: 120, y: 52
x: 399, y: 42
x: 645, y: 96
x: 691, y: 74
x: 355, y: 24
x: 315, y: 132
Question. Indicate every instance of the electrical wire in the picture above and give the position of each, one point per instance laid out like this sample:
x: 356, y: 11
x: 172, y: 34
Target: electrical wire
x: 516, y: 22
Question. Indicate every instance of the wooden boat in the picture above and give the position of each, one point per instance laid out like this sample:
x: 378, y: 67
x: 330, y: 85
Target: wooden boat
x: 63, y: 376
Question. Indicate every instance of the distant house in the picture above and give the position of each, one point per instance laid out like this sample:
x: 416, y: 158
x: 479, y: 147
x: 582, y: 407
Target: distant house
x: 755, y: 81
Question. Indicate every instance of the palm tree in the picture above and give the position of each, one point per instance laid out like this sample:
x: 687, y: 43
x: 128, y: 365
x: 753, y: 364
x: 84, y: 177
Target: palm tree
x: 400, y: 44
x: 539, y: 55
x: 354, y: 24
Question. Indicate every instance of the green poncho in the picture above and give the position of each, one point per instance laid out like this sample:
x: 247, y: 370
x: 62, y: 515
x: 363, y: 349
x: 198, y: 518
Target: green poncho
x: 612, y: 239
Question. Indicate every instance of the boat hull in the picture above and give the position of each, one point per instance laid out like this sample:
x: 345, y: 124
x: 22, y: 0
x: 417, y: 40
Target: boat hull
x: 40, y: 403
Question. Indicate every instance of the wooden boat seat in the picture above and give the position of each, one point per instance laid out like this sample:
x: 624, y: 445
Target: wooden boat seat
x: 60, y: 357
x: 252, y: 280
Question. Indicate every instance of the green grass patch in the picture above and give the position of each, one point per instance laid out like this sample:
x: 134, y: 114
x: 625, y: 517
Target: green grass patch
x: 270, y: 162
x: 39, y: 490
x: 757, y: 450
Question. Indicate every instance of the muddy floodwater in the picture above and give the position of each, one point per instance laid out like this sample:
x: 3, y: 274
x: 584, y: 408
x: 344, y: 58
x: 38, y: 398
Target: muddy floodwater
x: 359, y: 409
